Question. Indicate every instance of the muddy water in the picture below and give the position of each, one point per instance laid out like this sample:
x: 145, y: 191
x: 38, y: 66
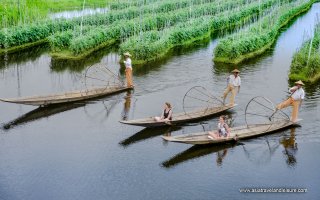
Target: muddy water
x: 80, y: 151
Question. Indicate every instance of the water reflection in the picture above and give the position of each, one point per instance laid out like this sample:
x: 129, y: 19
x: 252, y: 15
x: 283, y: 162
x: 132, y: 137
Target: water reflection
x: 39, y: 113
x: 126, y: 105
x: 220, y: 156
x: 223, y: 68
x: 77, y: 13
x: 61, y: 65
x: 290, y: 148
x: 99, y: 111
x: 198, y: 151
x: 148, y: 133
x: 262, y: 153
x: 23, y: 56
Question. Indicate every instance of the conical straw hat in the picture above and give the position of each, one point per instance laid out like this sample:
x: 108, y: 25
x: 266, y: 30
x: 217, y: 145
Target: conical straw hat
x: 127, y: 54
x: 299, y: 82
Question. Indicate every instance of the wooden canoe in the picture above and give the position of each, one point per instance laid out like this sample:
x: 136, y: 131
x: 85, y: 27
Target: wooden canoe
x: 240, y: 132
x: 73, y: 96
x: 179, y: 118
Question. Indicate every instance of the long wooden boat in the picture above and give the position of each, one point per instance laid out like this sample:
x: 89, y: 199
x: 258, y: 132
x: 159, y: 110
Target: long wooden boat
x: 237, y: 133
x: 179, y: 118
x: 73, y: 96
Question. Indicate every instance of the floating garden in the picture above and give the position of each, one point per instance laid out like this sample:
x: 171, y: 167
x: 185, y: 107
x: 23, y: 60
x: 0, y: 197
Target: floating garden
x: 260, y: 36
x: 150, y: 29
x: 306, y: 62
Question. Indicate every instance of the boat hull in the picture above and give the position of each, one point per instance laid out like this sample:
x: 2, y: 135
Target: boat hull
x: 66, y: 97
x: 179, y: 118
x: 237, y: 133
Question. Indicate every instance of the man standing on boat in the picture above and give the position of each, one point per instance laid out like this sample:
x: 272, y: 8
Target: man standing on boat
x: 234, y: 82
x: 295, y: 100
x: 127, y: 63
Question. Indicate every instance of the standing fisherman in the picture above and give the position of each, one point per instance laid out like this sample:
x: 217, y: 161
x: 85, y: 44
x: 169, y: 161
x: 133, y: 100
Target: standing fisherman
x: 295, y: 100
x: 234, y: 81
x: 127, y: 62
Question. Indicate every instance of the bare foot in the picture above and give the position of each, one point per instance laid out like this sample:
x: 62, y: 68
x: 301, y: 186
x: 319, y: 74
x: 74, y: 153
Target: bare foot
x: 210, y: 137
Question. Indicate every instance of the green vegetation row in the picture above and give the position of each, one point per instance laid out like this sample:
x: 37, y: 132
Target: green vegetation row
x: 123, y: 4
x: 153, y: 45
x: 167, y: 5
x: 15, y: 12
x: 29, y: 33
x: 106, y: 35
x: 306, y: 62
x: 259, y: 37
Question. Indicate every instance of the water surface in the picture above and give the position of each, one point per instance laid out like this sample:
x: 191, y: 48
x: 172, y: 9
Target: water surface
x: 80, y: 151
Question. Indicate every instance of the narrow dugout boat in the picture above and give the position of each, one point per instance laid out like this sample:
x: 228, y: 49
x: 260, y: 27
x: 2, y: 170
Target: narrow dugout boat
x: 179, y: 118
x: 98, y: 79
x: 68, y: 97
x: 261, y: 118
x: 198, y: 103
x: 237, y: 133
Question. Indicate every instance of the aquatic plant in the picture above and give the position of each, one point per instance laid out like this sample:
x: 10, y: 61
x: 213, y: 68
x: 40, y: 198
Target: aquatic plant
x: 18, y: 12
x: 248, y: 43
x: 124, y: 29
x: 45, y: 28
x: 306, y: 62
x: 145, y: 48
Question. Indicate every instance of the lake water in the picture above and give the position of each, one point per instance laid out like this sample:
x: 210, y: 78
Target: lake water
x: 81, y: 151
x: 77, y: 13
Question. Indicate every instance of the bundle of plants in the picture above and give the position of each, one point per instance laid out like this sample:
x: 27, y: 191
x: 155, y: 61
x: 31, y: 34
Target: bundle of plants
x: 153, y: 45
x: 306, y: 62
x: 186, y: 32
x: 253, y: 41
x: 45, y: 28
x: 166, y: 5
x: 60, y: 41
x: 120, y: 31
x: 20, y: 35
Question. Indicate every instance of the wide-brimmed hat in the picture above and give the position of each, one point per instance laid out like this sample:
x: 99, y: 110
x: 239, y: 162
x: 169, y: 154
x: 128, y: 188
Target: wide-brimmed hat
x: 235, y: 71
x: 299, y: 82
x: 127, y: 54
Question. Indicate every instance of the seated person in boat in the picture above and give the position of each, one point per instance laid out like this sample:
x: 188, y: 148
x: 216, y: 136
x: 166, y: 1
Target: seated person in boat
x: 166, y: 115
x: 223, y: 129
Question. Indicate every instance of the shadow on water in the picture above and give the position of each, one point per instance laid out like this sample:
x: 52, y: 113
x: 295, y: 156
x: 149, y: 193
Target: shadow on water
x: 198, y: 151
x: 222, y: 68
x: 61, y: 65
x: 290, y: 148
x: 258, y: 154
x: 23, y: 56
x: 107, y: 104
x: 148, y: 133
x: 262, y: 154
x: 39, y: 113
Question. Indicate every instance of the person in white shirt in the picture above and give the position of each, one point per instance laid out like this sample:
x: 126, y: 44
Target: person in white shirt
x: 295, y: 99
x: 223, y: 129
x: 127, y: 63
x: 234, y: 82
